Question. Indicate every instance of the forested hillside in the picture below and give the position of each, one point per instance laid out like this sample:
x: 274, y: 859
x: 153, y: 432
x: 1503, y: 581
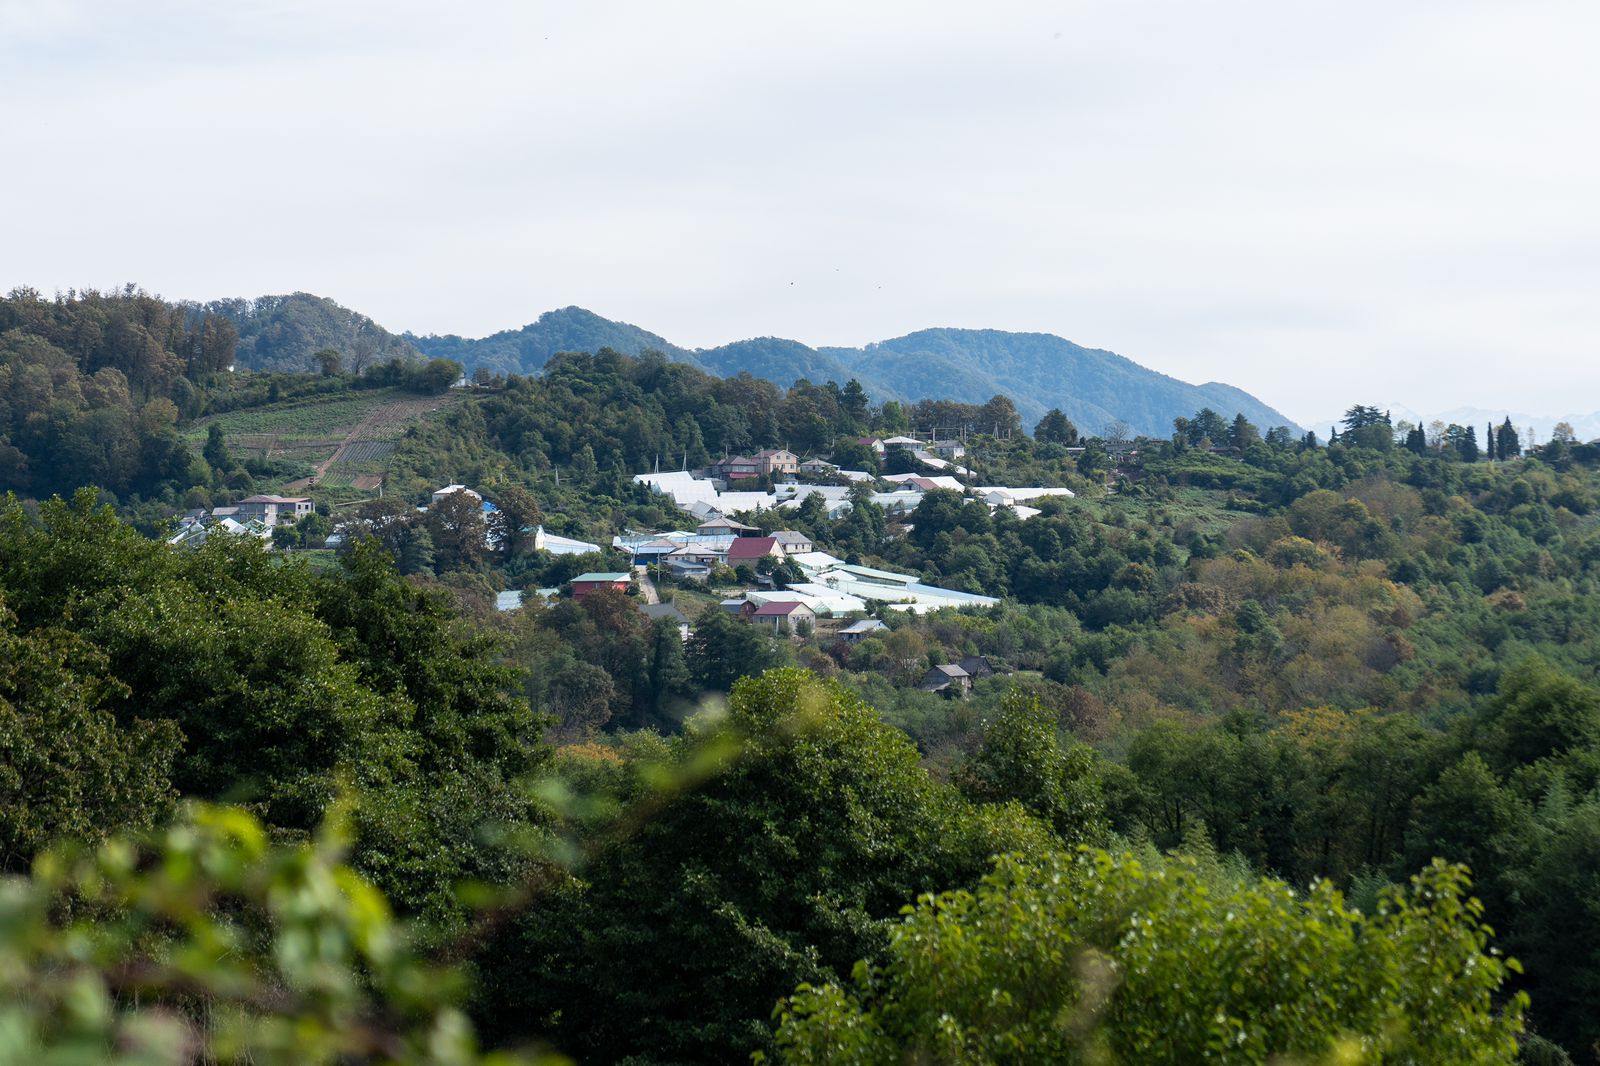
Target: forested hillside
x: 526, y: 350
x: 287, y: 332
x: 1273, y: 686
x: 104, y: 390
x: 92, y: 388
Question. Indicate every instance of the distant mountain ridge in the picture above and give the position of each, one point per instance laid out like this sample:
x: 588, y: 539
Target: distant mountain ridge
x: 1037, y: 371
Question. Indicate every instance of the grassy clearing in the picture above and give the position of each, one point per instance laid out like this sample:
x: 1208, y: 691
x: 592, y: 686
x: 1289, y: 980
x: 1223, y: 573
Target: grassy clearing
x: 1206, y: 509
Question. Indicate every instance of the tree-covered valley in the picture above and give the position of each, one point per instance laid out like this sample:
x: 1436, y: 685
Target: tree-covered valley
x: 1282, y: 750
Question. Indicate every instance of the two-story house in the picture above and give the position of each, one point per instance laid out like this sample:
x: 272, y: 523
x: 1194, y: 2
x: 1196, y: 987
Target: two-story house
x: 273, y: 510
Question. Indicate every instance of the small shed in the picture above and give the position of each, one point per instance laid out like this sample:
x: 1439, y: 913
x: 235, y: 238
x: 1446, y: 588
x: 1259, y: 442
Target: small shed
x: 657, y: 611
x: 948, y: 680
x: 976, y: 666
x: 859, y: 631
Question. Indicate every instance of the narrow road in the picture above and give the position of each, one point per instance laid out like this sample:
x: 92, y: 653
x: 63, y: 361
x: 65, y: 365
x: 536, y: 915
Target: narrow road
x: 646, y: 586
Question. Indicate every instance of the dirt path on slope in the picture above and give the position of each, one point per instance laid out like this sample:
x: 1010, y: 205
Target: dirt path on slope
x: 383, y: 422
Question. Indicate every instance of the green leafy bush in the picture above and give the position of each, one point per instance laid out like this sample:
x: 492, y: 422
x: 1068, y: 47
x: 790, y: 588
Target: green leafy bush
x: 1095, y: 958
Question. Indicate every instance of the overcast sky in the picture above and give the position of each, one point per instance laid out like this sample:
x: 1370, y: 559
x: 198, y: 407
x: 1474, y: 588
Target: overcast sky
x: 1323, y: 203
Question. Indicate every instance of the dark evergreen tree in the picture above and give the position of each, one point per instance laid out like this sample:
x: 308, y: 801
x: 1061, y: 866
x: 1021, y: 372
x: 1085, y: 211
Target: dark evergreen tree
x: 1508, y: 444
x: 1367, y: 427
x: 1242, y: 433
x: 670, y: 684
x: 854, y: 404
x: 216, y: 450
x: 1056, y: 428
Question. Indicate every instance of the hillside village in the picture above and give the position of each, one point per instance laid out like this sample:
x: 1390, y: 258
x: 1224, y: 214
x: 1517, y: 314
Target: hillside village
x: 834, y: 678
x: 1227, y: 635
x: 775, y: 578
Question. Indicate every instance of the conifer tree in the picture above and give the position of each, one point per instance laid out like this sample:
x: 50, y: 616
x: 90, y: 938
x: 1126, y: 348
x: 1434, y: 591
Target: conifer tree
x: 1242, y: 433
x: 1508, y: 443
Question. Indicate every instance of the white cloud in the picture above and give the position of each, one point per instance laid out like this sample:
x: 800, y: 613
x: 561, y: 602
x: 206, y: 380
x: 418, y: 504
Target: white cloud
x: 1309, y: 200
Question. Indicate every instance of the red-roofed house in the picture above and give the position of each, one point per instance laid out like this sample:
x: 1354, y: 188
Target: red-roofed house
x: 776, y: 614
x: 750, y: 550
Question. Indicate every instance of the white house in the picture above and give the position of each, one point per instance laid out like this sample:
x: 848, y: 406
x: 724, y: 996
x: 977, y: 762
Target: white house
x: 273, y: 510
x: 792, y: 542
x: 439, y: 494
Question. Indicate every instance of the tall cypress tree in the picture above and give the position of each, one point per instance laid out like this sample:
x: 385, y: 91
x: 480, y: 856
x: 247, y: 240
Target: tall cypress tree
x: 1488, y: 442
x: 1508, y: 444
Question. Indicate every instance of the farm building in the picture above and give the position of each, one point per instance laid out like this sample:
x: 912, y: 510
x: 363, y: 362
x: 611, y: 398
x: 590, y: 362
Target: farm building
x: 584, y: 584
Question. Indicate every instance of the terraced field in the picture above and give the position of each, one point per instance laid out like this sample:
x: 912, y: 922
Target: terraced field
x: 356, y: 464
x: 330, y: 419
x: 348, y: 440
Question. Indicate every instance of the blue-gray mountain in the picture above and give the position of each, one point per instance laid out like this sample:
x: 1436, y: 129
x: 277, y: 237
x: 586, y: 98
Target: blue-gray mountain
x: 1037, y: 371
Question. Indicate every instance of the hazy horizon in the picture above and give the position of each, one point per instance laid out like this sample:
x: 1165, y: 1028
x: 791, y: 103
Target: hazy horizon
x: 1344, y: 201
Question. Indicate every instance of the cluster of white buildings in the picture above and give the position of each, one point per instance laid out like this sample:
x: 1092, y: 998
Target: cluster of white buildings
x: 900, y: 592
x: 705, y: 497
x: 836, y: 589
x: 832, y: 587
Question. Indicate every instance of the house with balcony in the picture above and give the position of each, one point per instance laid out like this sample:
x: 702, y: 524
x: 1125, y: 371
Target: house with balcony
x: 778, y: 462
x: 273, y: 510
